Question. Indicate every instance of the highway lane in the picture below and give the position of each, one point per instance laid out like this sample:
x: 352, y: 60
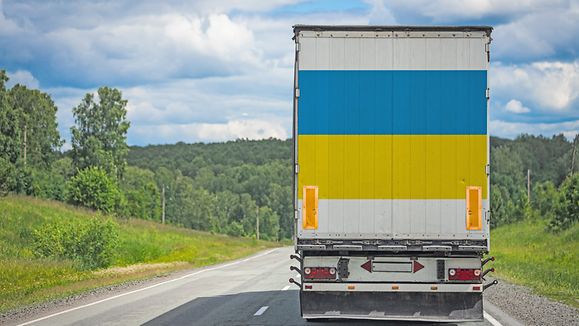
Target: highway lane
x: 250, y: 291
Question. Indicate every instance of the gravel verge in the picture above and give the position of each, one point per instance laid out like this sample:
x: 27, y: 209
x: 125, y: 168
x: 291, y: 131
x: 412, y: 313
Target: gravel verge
x: 529, y: 308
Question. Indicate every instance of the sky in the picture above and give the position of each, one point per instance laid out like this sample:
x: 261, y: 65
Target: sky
x: 216, y: 70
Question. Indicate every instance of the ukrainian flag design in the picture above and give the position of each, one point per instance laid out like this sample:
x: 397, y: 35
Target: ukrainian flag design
x: 392, y: 134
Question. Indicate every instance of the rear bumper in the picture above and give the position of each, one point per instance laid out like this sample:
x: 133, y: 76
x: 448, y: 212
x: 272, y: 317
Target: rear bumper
x: 415, y: 306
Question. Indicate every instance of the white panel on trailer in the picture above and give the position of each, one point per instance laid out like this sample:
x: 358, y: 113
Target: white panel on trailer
x: 383, y: 217
x: 352, y: 53
x: 384, y: 55
x: 324, y: 219
x: 400, y: 218
x: 433, y: 52
x: 367, y: 216
x: 395, y: 51
x: 433, y: 224
x: 357, y: 224
x: 367, y: 53
x: 338, y: 213
x: 323, y: 53
x: 417, y: 49
x: 337, y: 54
x: 463, y: 52
x: 351, y: 216
x: 307, y: 53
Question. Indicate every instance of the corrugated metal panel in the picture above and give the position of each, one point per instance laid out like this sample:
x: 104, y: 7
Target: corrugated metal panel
x: 392, y: 129
x: 392, y: 166
x: 390, y: 52
x: 392, y: 102
x: 376, y: 219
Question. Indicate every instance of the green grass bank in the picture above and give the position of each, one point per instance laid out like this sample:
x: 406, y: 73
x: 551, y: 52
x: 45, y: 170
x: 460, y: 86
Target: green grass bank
x: 144, y: 249
x: 547, y: 263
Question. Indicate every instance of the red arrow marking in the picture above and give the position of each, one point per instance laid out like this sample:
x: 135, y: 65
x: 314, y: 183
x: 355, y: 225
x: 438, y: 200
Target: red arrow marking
x: 416, y: 266
x: 367, y: 266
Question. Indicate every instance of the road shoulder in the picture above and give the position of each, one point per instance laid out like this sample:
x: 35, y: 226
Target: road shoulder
x: 520, y: 303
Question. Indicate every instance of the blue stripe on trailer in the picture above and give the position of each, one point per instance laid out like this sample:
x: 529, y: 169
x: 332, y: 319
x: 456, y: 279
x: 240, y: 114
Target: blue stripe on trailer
x: 399, y: 102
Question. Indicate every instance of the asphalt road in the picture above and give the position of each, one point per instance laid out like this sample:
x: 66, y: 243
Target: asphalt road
x: 251, y: 291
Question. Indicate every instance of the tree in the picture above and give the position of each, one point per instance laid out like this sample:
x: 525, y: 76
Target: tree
x: 545, y: 199
x: 94, y: 188
x: 9, y: 131
x: 99, y: 137
x: 268, y: 224
x: 508, y: 195
x: 143, y: 196
x: 7, y: 179
x: 39, y: 140
x: 567, y: 211
x: 280, y: 200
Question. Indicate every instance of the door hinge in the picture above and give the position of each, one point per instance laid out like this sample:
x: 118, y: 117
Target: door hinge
x: 297, y: 168
x: 298, y: 47
x: 488, y: 169
x: 488, y: 93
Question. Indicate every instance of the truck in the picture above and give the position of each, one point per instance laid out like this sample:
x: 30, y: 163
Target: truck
x: 391, y: 171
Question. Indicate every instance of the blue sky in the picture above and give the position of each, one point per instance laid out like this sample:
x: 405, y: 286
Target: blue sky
x: 214, y: 70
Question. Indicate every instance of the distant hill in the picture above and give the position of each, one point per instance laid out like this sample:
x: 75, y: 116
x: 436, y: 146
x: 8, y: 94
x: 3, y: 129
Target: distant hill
x: 188, y: 158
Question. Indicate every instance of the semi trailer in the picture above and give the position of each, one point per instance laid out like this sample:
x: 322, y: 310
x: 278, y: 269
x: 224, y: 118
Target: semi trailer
x: 391, y: 171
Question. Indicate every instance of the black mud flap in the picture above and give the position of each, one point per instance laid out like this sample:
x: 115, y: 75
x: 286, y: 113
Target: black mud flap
x: 416, y: 306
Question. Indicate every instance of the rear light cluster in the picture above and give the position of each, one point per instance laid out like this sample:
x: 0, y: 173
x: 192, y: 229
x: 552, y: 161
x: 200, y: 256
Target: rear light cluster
x: 463, y: 274
x: 320, y: 273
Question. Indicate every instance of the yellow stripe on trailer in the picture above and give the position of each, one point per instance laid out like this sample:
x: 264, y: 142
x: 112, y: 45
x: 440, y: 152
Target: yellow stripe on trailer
x: 392, y: 166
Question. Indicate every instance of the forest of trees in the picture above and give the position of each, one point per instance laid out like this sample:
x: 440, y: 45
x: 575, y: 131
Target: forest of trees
x: 553, y: 165
x: 226, y: 187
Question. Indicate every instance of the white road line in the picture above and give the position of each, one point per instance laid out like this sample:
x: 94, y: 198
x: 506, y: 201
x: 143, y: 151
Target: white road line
x: 147, y: 288
x: 261, y: 311
x: 491, y: 319
x: 285, y: 288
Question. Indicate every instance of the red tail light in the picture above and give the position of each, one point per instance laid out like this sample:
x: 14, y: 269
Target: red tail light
x: 464, y: 274
x: 320, y: 273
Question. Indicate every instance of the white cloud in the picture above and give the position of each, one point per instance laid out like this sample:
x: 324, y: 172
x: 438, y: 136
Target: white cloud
x: 222, y: 37
x: 263, y: 96
x: 450, y: 10
x: 550, y: 86
x: 155, y: 48
x: 515, y: 106
x: 208, y: 68
x: 211, y: 132
x: 524, y: 29
x: 7, y: 26
x: 546, y: 33
x: 380, y: 14
x: 22, y: 77
x: 512, y: 129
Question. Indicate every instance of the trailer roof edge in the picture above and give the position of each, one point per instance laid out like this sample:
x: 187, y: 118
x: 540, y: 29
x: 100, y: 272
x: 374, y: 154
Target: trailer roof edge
x: 380, y: 28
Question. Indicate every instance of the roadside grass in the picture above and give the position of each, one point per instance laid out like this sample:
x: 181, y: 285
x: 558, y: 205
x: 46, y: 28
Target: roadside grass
x: 548, y: 263
x: 145, y: 249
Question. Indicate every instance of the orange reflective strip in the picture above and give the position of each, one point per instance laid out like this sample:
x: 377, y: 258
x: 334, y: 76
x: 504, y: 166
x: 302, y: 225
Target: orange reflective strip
x: 473, y: 208
x: 310, y: 208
